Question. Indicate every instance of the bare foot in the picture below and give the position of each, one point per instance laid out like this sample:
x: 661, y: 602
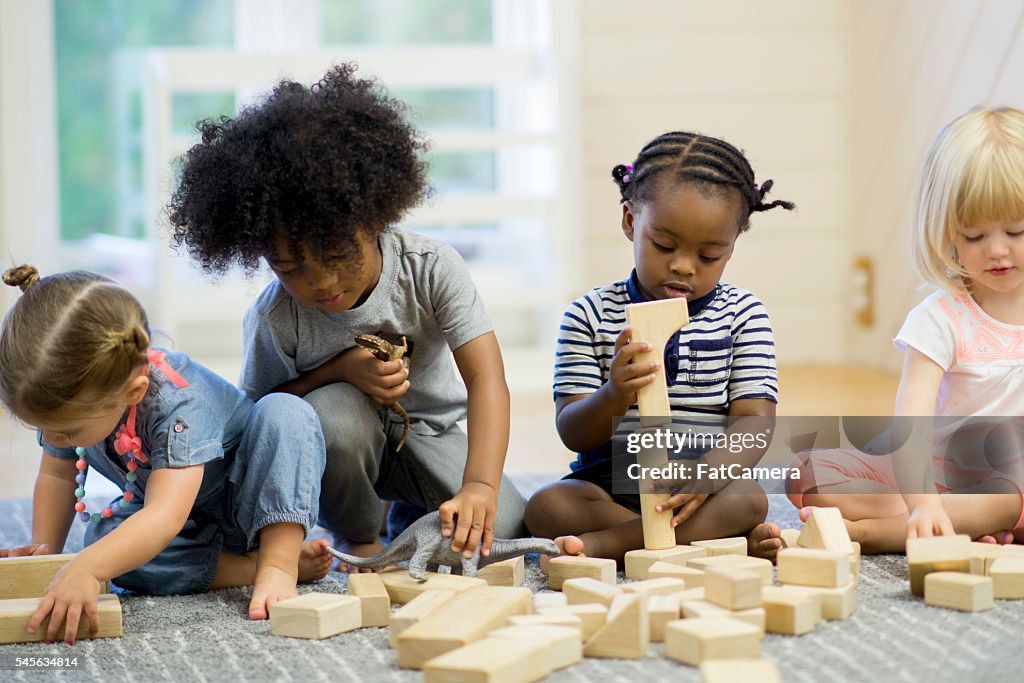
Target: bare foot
x: 764, y: 541
x: 567, y: 545
x: 314, y: 560
x: 1000, y: 538
x: 272, y: 585
x: 359, y: 550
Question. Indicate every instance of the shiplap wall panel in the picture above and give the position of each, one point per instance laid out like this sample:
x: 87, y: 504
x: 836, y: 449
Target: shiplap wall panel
x: 767, y: 77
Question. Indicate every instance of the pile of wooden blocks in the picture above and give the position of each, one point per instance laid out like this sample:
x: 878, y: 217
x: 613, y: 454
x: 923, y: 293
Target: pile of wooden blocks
x: 22, y: 581
x: 954, y: 572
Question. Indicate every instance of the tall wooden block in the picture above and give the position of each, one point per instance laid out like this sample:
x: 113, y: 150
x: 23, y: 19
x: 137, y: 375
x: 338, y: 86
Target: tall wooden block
x: 789, y: 611
x: 825, y: 529
x: 806, y: 567
x: 661, y: 609
x: 592, y: 616
x: 571, y: 567
x: 956, y: 590
x: 732, y: 588
x: 491, y: 660
x: 758, y: 565
x: 505, y: 573
x: 691, y: 576
x: 466, y: 617
x: 651, y: 587
x: 15, y: 613
x: 626, y: 632
x: 402, y: 588
x: 1007, y: 578
x: 639, y: 562
x: 936, y: 554
x: 27, y: 577
x: 373, y: 596
x: 564, y: 645
x: 693, y: 641
x: 736, y: 670
x: 414, y: 610
x: 696, y: 609
x: 316, y: 615
x: 579, y: 591
x: 723, y: 546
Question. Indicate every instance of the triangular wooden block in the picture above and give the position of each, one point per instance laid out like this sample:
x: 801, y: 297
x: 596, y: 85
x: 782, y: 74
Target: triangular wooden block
x: 825, y: 530
x: 625, y: 634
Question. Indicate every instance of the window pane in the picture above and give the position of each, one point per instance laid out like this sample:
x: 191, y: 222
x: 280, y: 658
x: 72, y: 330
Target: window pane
x: 438, y: 109
x: 462, y: 171
x: 188, y: 108
x: 407, y: 21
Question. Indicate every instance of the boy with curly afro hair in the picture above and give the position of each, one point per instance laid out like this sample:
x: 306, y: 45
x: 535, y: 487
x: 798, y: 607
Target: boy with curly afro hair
x: 312, y: 180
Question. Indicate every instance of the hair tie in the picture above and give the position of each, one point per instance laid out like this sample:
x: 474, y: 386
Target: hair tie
x: 628, y: 175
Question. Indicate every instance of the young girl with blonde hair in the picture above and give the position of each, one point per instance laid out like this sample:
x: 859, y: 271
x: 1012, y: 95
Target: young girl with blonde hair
x: 217, y: 491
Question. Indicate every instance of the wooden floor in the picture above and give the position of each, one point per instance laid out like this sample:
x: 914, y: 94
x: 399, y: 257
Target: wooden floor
x: 534, y: 446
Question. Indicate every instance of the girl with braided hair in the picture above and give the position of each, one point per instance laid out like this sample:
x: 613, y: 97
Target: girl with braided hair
x: 217, y: 491
x: 685, y: 200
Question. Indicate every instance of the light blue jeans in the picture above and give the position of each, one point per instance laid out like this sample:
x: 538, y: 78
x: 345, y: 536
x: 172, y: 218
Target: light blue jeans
x: 272, y: 476
x: 363, y: 467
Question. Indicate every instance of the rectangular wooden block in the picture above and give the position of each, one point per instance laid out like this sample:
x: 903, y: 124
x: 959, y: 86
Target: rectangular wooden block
x: 650, y: 587
x: 836, y: 603
x: 690, y: 594
x: 579, y: 591
x: 376, y: 603
x: 505, y: 573
x: 956, y: 590
x: 27, y: 577
x: 981, y: 555
x: 693, y: 641
x: 936, y: 554
x: 732, y: 588
x: 414, y: 610
x: 491, y: 660
x: 564, y: 619
x: 571, y: 567
x: 1004, y: 551
x: 789, y: 611
x: 15, y: 613
x: 564, y: 645
x: 723, y: 546
x: 468, y: 616
x: 316, y: 615
x: 855, y: 562
x: 691, y: 576
x: 735, y: 670
x: 806, y: 567
x: 549, y: 599
x: 626, y: 632
x: 402, y: 588
x: 661, y: 609
x: 825, y: 530
x: 592, y: 615
x: 638, y: 562
x: 1007, y: 578
x: 758, y: 565
x: 696, y: 609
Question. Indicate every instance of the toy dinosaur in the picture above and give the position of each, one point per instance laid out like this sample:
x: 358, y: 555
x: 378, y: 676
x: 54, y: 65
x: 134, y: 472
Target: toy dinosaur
x: 423, y: 545
x: 382, y: 349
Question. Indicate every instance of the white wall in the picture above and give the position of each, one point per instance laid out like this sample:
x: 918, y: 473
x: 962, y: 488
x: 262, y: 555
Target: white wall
x: 769, y: 78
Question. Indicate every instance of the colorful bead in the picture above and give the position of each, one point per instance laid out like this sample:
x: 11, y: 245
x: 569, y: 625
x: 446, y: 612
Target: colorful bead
x: 95, y: 517
x: 107, y: 513
x: 126, y: 443
x: 131, y: 476
x: 79, y: 506
x: 80, y: 452
x: 80, y: 478
x: 129, y: 496
x: 80, y: 492
x: 123, y: 503
x: 84, y: 516
x: 132, y: 465
x: 81, y: 464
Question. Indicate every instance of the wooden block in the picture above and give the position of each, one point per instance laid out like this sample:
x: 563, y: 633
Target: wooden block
x: 806, y: 567
x: 734, y: 670
x: 15, y: 613
x: 466, y: 617
x: 691, y: 576
x: 28, y: 577
x: 316, y: 615
x: 825, y: 530
x: 564, y: 619
x: 376, y: 603
x: 571, y: 567
x: 956, y: 590
x: 855, y: 562
x: 654, y: 587
x: 505, y: 573
x: 758, y: 565
x: 732, y: 588
x: 693, y: 641
x: 591, y: 615
x: 657, y: 525
x: 723, y: 546
x: 661, y: 609
x: 639, y: 562
x: 1007, y: 578
x: 549, y: 599
x: 1004, y: 551
x: 789, y: 611
x: 836, y: 603
x: 981, y: 555
x: 414, y: 610
x: 564, y: 645
x: 578, y: 591
x: 936, y: 554
x: 626, y: 632
x: 402, y: 588
x: 696, y: 609
x: 491, y: 660
x: 789, y: 537
x: 690, y: 594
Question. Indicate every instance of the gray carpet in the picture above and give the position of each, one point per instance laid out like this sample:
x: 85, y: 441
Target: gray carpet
x: 890, y: 637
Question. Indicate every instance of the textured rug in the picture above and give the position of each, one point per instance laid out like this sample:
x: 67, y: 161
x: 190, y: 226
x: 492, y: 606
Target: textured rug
x: 890, y: 637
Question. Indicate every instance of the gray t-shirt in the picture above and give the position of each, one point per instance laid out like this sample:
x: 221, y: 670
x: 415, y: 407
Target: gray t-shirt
x: 424, y: 293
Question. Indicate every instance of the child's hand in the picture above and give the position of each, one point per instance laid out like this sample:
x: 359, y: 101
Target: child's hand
x: 929, y: 519
x: 385, y: 381
x: 74, y: 590
x: 27, y: 550
x: 625, y: 376
x: 687, y: 504
x: 475, y: 506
